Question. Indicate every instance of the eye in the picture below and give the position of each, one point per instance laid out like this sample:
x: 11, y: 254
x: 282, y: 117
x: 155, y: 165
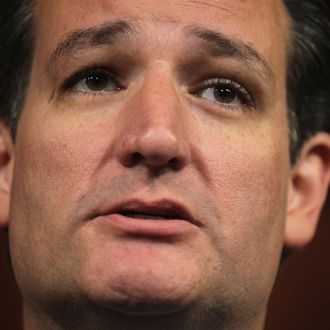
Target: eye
x: 226, y: 92
x: 93, y: 81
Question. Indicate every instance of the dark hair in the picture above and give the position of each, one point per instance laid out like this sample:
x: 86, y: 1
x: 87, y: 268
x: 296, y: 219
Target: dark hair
x: 16, y: 52
x: 308, y: 72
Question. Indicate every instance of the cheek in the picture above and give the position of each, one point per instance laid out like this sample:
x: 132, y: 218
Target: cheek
x: 249, y: 182
x: 254, y: 179
x: 59, y: 160
x: 54, y: 164
x: 249, y: 186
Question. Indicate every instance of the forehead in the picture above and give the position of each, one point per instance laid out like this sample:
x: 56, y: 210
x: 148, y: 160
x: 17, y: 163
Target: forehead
x: 262, y: 24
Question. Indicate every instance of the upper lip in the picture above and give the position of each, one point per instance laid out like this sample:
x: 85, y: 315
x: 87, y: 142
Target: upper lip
x: 165, y: 207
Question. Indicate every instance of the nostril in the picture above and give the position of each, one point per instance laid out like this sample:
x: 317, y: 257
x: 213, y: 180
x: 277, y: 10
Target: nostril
x: 174, y: 164
x: 136, y: 158
x: 155, y: 149
x: 155, y: 160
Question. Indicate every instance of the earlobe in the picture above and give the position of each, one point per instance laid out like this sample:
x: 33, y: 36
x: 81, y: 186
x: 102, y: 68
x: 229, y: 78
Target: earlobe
x: 6, y: 172
x: 308, y: 190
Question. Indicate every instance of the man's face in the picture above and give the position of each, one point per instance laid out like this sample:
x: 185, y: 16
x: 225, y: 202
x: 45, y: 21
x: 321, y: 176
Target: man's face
x: 151, y: 160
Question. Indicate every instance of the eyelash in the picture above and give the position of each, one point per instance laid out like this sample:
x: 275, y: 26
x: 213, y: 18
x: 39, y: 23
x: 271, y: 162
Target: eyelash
x: 243, y: 95
x: 70, y: 83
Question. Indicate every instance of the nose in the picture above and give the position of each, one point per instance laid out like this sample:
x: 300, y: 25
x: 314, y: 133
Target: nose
x: 154, y: 127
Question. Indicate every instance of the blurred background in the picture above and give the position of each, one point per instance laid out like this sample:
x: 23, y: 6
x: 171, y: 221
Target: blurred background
x: 300, y: 300
x: 301, y: 297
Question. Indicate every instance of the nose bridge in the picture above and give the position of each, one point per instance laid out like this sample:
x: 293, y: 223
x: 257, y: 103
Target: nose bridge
x: 158, y: 99
x: 155, y: 134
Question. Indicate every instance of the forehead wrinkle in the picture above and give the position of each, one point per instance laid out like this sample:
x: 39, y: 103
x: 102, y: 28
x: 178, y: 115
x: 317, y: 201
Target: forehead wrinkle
x: 105, y: 34
x: 219, y: 44
x: 211, y: 3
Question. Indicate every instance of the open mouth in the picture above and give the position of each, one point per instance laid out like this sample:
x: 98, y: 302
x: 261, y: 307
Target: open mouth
x: 156, y: 219
x: 157, y: 216
x: 150, y: 215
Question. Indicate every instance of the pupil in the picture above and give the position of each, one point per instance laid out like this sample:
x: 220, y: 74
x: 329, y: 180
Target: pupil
x: 224, y: 94
x: 97, y: 82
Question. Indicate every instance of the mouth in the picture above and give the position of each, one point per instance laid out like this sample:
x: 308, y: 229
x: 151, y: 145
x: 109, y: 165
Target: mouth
x: 160, y: 218
x: 136, y: 215
x: 163, y: 212
x: 156, y: 210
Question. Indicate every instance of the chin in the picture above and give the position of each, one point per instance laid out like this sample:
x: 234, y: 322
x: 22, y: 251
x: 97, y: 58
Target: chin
x: 149, y: 279
x: 142, y: 304
x: 146, y: 293
x: 146, y: 306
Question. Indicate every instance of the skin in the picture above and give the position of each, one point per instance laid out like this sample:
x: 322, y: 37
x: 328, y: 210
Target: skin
x: 227, y: 163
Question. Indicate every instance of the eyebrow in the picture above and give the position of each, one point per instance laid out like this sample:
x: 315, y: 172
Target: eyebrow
x: 77, y: 40
x: 216, y: 44
x: 224, y: 46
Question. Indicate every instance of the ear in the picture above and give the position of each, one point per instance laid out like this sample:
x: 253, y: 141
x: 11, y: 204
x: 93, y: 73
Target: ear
x: 6, y: 172
x: 308, y: 190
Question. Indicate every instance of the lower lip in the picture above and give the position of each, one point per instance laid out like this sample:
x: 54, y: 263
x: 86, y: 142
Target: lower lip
x: 146, y: 227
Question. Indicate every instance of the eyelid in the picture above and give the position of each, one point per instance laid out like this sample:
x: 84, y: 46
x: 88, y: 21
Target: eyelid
x: 243, y: 93
x: 81, y: 74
